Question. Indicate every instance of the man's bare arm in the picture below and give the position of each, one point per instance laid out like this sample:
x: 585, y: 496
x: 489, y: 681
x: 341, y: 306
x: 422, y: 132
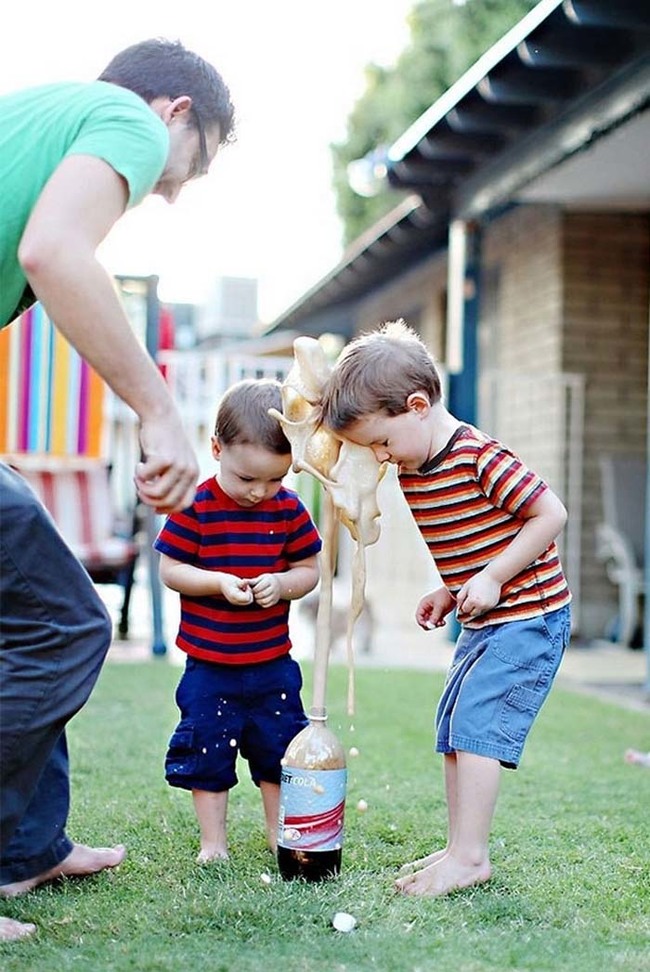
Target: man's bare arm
x: 81, y: 202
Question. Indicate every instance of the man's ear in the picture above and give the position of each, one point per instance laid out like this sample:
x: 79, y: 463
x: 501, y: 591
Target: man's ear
x: 418, y: 402
x: 175, y: 108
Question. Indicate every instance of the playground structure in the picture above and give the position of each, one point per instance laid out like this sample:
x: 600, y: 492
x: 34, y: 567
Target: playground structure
x: 63, y: 430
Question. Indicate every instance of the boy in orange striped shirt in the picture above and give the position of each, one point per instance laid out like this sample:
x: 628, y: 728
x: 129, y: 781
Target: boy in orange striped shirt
x: 490, y: 524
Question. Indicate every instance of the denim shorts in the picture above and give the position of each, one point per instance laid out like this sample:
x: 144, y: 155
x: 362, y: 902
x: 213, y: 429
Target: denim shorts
x: 226, y: 710
x: 499, y: 678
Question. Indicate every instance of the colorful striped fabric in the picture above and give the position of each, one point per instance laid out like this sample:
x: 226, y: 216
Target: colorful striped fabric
x: 51, y: 401
x: 468, y: 503
x: 76, y: 491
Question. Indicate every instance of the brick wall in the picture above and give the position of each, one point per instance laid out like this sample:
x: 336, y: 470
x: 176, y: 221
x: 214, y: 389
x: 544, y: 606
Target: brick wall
x: 606, y: 260
x: 572, y: 298
x: 524, y: 400
x: 525, y: 247
x: 564, y: 294
x: 419, y: 297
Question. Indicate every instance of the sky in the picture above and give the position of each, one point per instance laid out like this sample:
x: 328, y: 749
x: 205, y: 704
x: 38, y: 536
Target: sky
x: 294, y: 68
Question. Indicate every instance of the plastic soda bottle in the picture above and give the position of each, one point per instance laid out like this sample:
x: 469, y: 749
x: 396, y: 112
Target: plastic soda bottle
x: 312, y: 803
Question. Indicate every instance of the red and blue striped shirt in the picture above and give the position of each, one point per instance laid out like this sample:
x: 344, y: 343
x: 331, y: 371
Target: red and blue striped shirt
x: 468, y: 502
x: 216, y: 533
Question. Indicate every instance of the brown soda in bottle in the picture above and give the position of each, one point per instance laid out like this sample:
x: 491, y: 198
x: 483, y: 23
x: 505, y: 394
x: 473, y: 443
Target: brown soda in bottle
x: 312, y: 803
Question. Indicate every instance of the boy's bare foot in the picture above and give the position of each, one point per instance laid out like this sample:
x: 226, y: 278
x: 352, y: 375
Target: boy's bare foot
x: 447, y: 874
x: 13, y: 931
x: 207, y: 854
x: 82, y: 861
x: 422, y: 862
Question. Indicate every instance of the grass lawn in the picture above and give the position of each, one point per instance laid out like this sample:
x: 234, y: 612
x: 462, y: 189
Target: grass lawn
x: 570, y: 849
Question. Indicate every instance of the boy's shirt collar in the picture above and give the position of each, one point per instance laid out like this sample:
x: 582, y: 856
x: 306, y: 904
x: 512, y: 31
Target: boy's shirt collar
x: 431, y: 464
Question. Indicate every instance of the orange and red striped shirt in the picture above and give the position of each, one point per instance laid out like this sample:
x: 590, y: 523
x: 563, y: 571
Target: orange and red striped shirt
x: 468, y: 502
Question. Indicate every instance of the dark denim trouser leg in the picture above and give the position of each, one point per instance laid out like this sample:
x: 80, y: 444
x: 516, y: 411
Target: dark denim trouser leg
x: 54, y: 636
x: 40, y: 842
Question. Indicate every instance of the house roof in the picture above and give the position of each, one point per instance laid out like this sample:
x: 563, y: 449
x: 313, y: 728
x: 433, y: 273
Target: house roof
x: 567, y: 74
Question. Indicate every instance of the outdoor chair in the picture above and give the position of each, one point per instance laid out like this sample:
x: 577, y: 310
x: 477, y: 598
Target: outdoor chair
x: 621, y: 539
x: 76, y: 491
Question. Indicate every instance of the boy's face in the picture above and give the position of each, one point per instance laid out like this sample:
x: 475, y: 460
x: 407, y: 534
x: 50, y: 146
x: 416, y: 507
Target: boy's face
x: 249, y: 473
x: 404, y: 439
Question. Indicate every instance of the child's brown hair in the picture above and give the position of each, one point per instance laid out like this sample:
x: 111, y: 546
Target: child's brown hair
x: 243, y: 415
x: 376, y: 373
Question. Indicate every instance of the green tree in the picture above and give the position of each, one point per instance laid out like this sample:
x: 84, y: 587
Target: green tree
x: 446, y: 38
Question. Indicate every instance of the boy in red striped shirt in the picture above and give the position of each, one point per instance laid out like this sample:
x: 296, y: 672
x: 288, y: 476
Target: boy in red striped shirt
x: 244, y: 549
x: 490, y: 524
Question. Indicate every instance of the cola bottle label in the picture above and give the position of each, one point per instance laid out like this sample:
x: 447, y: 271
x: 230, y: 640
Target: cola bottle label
x: 312, y: 805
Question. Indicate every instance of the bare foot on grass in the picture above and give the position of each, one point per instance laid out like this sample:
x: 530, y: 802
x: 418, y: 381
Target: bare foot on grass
x: 412, y: 866
x: 13, y: 931
x: 82, y: 861
x: 208, y: 854
x: 445, y: 875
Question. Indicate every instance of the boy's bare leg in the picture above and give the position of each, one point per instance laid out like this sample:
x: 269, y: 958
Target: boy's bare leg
x: 271, y: 800
x: 467, y: 860
x: 82, y: 861
x: 210, y: 809
x: 452, y: 801
x: 12, y: 930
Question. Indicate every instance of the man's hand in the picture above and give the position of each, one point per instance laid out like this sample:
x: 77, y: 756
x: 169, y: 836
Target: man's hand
x: 166, y: 479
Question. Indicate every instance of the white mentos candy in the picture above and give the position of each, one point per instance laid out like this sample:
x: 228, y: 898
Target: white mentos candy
x: 344, y: 922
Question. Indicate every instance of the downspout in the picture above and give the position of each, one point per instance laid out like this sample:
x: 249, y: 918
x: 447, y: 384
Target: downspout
x: 463, y: 309
x: 463, y: 312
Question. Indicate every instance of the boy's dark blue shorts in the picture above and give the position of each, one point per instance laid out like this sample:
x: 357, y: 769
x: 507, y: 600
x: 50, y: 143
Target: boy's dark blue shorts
x: 499, y: 678
x: 254, y: 710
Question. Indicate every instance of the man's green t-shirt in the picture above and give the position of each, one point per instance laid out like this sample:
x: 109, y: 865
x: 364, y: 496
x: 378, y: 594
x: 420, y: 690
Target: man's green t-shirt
x: 39, y: 128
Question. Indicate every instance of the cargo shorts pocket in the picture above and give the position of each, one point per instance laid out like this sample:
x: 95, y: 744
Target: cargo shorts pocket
x: 182, y: 757
x: 519, y: 710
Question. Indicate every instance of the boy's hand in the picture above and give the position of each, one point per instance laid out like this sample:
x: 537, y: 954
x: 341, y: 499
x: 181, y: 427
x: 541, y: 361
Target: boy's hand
x: 266, y: 589
x: 236, y: 590
x: 477, y: 596
x: 432, y: 609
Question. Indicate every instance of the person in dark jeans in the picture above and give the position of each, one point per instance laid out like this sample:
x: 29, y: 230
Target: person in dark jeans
x: 55, y: 635
x: 73, y: 158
